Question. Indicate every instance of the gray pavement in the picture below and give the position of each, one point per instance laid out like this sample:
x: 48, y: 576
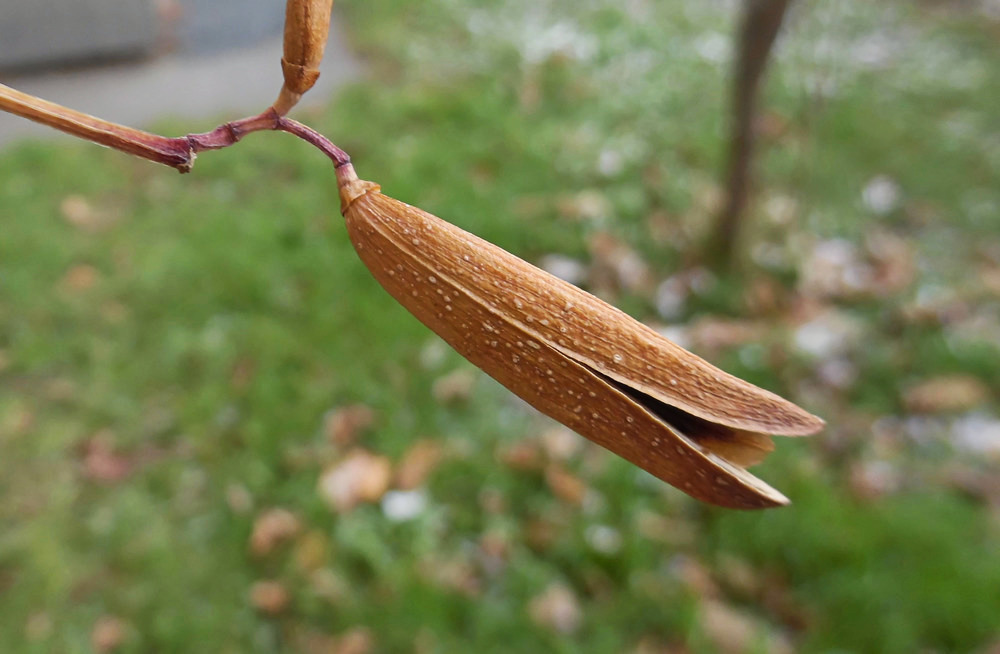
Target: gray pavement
x: 202, y: 86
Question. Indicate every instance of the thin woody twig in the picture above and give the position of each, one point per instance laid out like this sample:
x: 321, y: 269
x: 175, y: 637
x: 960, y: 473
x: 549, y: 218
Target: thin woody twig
x: 177, y: 152
x: 171, y: 152
x: 314, y: 138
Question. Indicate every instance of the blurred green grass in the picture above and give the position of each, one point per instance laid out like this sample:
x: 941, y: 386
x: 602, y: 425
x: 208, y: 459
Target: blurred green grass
x: 170, y: 346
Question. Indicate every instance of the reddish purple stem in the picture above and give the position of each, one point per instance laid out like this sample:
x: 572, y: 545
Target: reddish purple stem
x: 311, y: 136
x: 179, y: 152
x: 230, y: 133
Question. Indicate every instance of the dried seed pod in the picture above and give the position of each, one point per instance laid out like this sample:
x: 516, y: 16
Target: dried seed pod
x: 572, y: 356
x: 307, y: 26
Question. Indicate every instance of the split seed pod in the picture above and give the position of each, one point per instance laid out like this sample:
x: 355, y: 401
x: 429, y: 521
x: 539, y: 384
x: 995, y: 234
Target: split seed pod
x: 572, y: 356
x: 307, y: 26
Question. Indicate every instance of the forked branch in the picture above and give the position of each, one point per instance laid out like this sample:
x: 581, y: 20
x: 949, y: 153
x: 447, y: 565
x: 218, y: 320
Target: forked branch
x: 177, y: 152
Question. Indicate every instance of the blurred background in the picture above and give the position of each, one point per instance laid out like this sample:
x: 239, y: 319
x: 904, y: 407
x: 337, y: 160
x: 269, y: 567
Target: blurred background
x: 217, y: 433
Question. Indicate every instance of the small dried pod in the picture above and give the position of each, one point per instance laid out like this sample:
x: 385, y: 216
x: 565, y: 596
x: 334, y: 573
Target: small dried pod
x: 307, y: 26
x: 572, y: 356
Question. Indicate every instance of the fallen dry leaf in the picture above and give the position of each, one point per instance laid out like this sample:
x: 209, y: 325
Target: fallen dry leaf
x: 893, y: 261
x: 343, y: 425
x: 524, y: 455
x: 456, y: 386
x: 101, y: 463
x: 654, y: 644
x: 733, y: 631
x: 729, y: 629
x: 945, y: 394
x: 78, y: 212
x: 269, y: 597
x: 358, y: 640
x: 239, y: 499
x: 556, y: 608
x: 541, y: 534
x: 453, y: 574
x: 311, y: 641
x: 993, y: 648
x: 81, y: 277
x: 108, y: 634
x: 565, y: 485
x: 989, y: 277
x: 773, y: 126
x: 418, y: 463
x: 695, y: 576
x: 359, y: 477
x: 271, y: 528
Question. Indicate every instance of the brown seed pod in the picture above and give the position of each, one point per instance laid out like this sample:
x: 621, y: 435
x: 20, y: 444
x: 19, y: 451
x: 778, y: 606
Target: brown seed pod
x: 572, y: 356
x: 568, y: 354
x: 307, y: 26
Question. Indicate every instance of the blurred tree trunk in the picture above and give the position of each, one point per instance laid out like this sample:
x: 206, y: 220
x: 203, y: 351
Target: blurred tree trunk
x: 759, y: 28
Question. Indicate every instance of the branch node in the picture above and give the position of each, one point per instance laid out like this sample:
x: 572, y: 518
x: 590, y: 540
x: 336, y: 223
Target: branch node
x: 234, y: 132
